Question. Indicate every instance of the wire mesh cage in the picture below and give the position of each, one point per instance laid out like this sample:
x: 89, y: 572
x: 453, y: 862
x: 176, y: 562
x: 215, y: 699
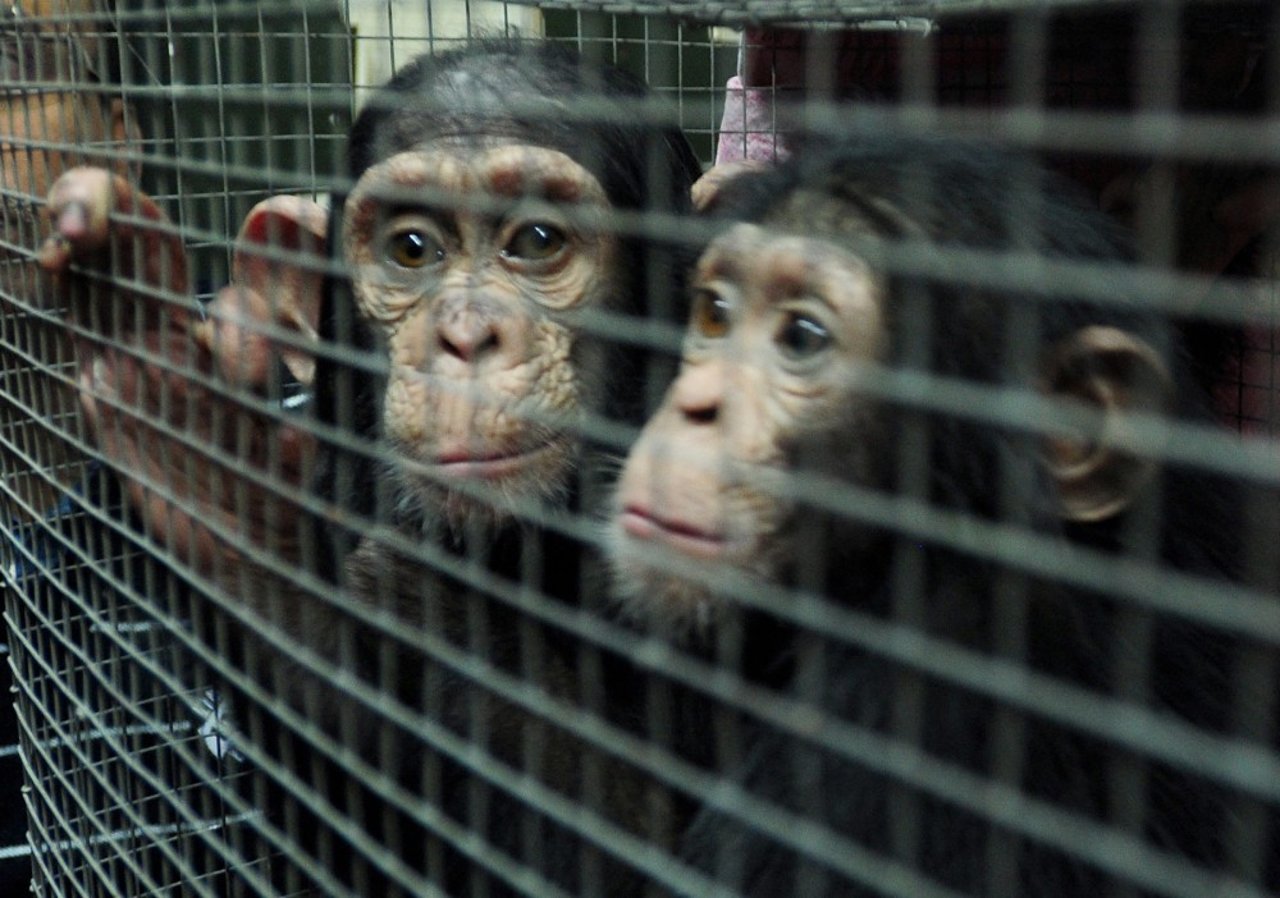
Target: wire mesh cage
x: 717, y: 448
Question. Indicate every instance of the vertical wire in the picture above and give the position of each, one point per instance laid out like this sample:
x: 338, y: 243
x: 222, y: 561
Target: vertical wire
x: 1253, y: 827
x: 1155, y: 50
x: 1028, y: 41
x: 909, y: 577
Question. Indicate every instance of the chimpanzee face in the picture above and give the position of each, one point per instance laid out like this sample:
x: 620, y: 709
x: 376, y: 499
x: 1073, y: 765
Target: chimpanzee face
x: 472, y: 262
x: 779, y: 327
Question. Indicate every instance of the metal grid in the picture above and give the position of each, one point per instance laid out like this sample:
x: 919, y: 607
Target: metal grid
x: 807, y: 12
x: 247, y: 726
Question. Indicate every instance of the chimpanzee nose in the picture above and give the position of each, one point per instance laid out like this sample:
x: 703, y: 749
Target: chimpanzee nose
x: 470, y: 338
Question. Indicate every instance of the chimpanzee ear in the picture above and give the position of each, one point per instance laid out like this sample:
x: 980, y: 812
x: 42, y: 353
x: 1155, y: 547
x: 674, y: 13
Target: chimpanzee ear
x: 280, y: 253
x: 1116, y: 373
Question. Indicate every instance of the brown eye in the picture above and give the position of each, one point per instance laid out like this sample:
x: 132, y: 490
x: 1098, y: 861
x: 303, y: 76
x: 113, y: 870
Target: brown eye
x: 710, y: 317
x: 802, y: 337
x: 535, y: 242
x: 413, y: 249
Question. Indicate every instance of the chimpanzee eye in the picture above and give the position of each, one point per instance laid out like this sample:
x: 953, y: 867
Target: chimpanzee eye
x: 535, y: 242
x: 801, y: 337
x: 710, y: 316
x: 411, y: 248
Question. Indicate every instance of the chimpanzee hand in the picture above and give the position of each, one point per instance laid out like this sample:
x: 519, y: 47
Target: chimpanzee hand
x: 706, y: 189
x: 176, y: 399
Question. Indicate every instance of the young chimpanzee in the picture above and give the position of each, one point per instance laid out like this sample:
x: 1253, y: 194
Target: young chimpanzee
x: 485, y: 233
x: 487, y: 252
x: 900, y: 486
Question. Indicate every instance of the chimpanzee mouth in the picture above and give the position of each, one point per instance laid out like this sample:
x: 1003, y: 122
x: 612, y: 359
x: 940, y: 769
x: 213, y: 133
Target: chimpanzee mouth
x: 641, y: 523
x: 492, y: 464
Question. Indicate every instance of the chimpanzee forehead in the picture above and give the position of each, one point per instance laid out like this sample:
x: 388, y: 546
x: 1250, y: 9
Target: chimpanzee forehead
x: 754, y: 253
x: 438, y: 169
x: 771, y: 266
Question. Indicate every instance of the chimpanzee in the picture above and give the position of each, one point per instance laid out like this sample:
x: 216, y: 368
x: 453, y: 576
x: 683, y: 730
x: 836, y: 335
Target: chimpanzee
x: 908, y: 418
x: 487, y: 252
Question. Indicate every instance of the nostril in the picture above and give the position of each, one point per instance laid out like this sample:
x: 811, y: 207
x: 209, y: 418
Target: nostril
x: 702, y: 415
x: 468, y: 346
x: 449, y: 347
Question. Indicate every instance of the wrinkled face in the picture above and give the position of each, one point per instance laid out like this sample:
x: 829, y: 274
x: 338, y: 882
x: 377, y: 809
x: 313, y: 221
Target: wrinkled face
x: 779, y: 327
x: 472, y: 264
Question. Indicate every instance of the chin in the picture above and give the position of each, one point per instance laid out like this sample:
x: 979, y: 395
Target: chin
x: 649, y: 588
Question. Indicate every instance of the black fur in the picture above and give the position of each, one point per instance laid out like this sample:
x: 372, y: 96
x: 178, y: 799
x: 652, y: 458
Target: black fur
x: 958, y: 195
x: 512, y: 90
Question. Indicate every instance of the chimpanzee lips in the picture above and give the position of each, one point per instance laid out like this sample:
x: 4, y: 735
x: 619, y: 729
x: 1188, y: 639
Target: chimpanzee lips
x: 641, y: 523
x: 490, y: 464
